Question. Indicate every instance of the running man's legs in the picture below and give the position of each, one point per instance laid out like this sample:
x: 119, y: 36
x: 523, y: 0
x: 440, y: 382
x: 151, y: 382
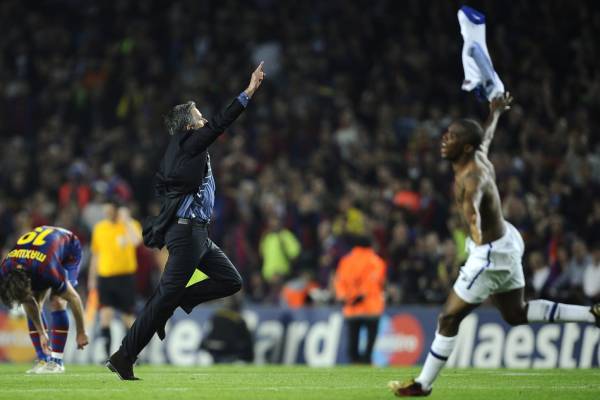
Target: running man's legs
x: 454, y: 311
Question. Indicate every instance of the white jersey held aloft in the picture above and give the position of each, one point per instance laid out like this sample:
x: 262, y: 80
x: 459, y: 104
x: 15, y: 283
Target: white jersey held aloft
x: 480, y: 75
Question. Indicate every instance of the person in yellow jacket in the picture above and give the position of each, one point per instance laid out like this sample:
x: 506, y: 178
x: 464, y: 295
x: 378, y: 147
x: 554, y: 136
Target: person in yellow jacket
x: 359, y: 284
x: 278, y: 249
x: 113, y: 266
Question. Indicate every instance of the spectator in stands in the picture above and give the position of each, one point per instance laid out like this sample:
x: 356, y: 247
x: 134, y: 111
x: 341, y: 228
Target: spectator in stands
x: 540, y: 274
x: 448, y: 266
x: 591, y: 276
x: 298, y: 291
x: 278, y: 249
x: 571, y: 279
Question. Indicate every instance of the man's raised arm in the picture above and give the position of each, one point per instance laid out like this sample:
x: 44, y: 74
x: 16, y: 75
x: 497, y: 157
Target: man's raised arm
x: 204, y: 137
x: 498, y: 106
x: 220, y: 121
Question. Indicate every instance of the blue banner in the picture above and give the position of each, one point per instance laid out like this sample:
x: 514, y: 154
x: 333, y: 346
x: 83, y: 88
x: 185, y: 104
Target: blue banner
x: 317, y: 337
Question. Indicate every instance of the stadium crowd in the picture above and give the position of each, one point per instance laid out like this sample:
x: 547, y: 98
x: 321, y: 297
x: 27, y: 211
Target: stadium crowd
x: 342, y: 142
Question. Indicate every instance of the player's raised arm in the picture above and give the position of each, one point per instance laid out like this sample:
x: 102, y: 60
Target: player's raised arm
x: 498, y: 106
x: 77, y: 308
x: 470, y: 204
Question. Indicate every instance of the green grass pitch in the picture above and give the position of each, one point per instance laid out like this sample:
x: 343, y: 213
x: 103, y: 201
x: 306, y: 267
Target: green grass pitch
x: 280, y: 382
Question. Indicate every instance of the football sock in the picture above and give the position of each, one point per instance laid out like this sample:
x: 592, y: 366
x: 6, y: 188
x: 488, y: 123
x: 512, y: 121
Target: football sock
x: 441, y: 348
x: 58, y: 334
x: 549, y: 311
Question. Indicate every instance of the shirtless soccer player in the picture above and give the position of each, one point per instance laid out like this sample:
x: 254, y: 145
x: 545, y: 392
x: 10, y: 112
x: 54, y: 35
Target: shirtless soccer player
x: 493, y: 268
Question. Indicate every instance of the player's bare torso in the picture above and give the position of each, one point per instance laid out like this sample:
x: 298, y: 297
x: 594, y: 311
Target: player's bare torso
x: 490, y: 208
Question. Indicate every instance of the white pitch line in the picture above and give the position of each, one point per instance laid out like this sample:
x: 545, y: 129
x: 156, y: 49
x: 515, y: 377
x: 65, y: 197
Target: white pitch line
x: 62, y: 390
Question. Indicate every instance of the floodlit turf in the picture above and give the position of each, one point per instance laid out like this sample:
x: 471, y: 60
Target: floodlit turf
x: 276, y: 382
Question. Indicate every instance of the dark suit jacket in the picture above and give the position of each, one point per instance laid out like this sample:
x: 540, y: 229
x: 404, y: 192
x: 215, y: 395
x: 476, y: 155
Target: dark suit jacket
x: 182, y: 169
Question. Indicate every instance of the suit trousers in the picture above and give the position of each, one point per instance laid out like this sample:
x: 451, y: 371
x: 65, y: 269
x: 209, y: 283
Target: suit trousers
x: 190, y: 248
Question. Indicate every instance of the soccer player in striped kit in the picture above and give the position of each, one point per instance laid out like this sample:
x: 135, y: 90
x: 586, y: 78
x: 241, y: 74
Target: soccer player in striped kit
x: 45, y: 260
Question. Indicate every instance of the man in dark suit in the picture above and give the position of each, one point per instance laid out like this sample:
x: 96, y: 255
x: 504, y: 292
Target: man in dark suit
x: 186, y: 188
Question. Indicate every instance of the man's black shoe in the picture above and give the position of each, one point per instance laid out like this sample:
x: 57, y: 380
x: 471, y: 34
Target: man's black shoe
x: 121, y: 366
